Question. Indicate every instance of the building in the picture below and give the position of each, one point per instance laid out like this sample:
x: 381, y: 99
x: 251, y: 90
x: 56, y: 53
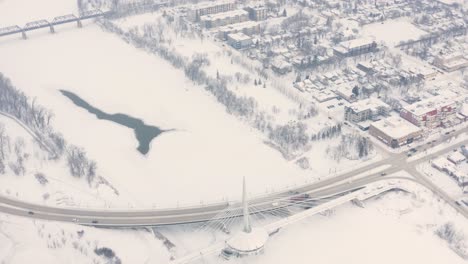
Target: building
x: 224, y: 18
x: 208, y: 8
x: 247, y: 27
x: 395, y: 131
x: 345, y: 91
x: 281, y: 66
x: 257, y: 13
x: 463, y: 112
x: 451, y: 62
x: 440, y: 110
x: 323, y: 96
x: 355, y: 47
x: 239, y: 40
x: 456, y: 157
x: 443, y: 164
x: 367, y: 109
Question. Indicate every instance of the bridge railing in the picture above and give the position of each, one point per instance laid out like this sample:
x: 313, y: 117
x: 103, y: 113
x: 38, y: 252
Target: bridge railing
x: 36, y: 24
x: 64, y: 19
x: 43, y: 23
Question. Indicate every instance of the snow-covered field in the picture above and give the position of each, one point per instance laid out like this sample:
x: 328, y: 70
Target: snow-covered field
x: 203, y: 160
x: 441, y: 179
x: 60, y: 187
x: 209, y: 147
x: 393, y: 31
x: 25, y: 241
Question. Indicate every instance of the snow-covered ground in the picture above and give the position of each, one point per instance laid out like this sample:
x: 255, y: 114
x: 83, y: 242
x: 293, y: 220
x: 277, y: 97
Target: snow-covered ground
x: 395, y: 227
x: 25, y: 241
x: 209, y: 147
x: 441, y: 179
x: 59, y: 188
x: 393, y: 31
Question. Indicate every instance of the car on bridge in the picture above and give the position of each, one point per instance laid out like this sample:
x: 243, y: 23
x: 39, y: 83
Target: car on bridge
x: 299, y: 197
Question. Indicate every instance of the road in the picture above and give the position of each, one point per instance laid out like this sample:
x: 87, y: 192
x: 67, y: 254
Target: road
x: 339, y: 184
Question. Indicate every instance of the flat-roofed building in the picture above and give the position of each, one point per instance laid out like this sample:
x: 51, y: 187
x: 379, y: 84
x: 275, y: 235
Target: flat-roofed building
x: 257, y: 13
x: 225, y: 18
x: 395, y: 131
x: 463, y: 112
x: 239, y: 40
x: 207, y: 8
x: 440, y: 110
x: 367, y: 109
x: 451, y: 62
x: 345, y: 91
x: 355, y: 47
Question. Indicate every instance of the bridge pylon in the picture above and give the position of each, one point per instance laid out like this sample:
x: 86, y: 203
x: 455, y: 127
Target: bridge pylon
x: 250, y: 240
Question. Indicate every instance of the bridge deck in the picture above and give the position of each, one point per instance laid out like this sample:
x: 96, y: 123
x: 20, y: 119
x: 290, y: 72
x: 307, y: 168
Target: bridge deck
x: 60, y: 20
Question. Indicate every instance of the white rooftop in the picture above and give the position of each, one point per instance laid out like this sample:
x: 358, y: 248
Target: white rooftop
x: 464, y: 109
x: 244, y: 242
x: 435, y: 102
x: 366, y: 104
x: 239, y: 26
x: 224, y: 15
x: 354, y: 43
x: 212, y: 4
x: 238, y: 36
x: 456, y: 157
x: 396, y: 127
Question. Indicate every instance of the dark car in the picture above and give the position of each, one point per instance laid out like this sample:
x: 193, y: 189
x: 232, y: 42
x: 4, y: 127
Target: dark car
x: 30, y: 213
x: 94, y: 221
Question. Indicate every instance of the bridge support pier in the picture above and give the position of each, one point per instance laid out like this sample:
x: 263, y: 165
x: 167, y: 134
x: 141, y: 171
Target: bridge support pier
x: 52, y: 29
x: 23, y: 34
x: 78, y: 23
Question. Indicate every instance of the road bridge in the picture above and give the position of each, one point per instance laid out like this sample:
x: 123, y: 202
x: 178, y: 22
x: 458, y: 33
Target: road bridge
x: 348, y: 181
x: 273, y: 228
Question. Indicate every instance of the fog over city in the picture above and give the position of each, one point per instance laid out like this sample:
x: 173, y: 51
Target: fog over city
x: 234, y: 131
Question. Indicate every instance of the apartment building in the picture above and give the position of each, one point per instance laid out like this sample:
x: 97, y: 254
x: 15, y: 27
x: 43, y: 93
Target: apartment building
x: 208, y: 8
x: 440, y: 110
x: 367, y: 109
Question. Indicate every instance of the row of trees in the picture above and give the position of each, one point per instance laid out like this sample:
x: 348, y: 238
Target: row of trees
x: 327, y: 132
x: 12, y: 154
x: 455, y: 238
x: 36, y: 120
x: 351, y: 146
x: 290, y: 137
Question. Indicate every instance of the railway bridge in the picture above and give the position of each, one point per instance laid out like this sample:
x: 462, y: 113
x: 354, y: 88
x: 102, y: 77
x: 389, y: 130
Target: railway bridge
x: 56, y: 21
